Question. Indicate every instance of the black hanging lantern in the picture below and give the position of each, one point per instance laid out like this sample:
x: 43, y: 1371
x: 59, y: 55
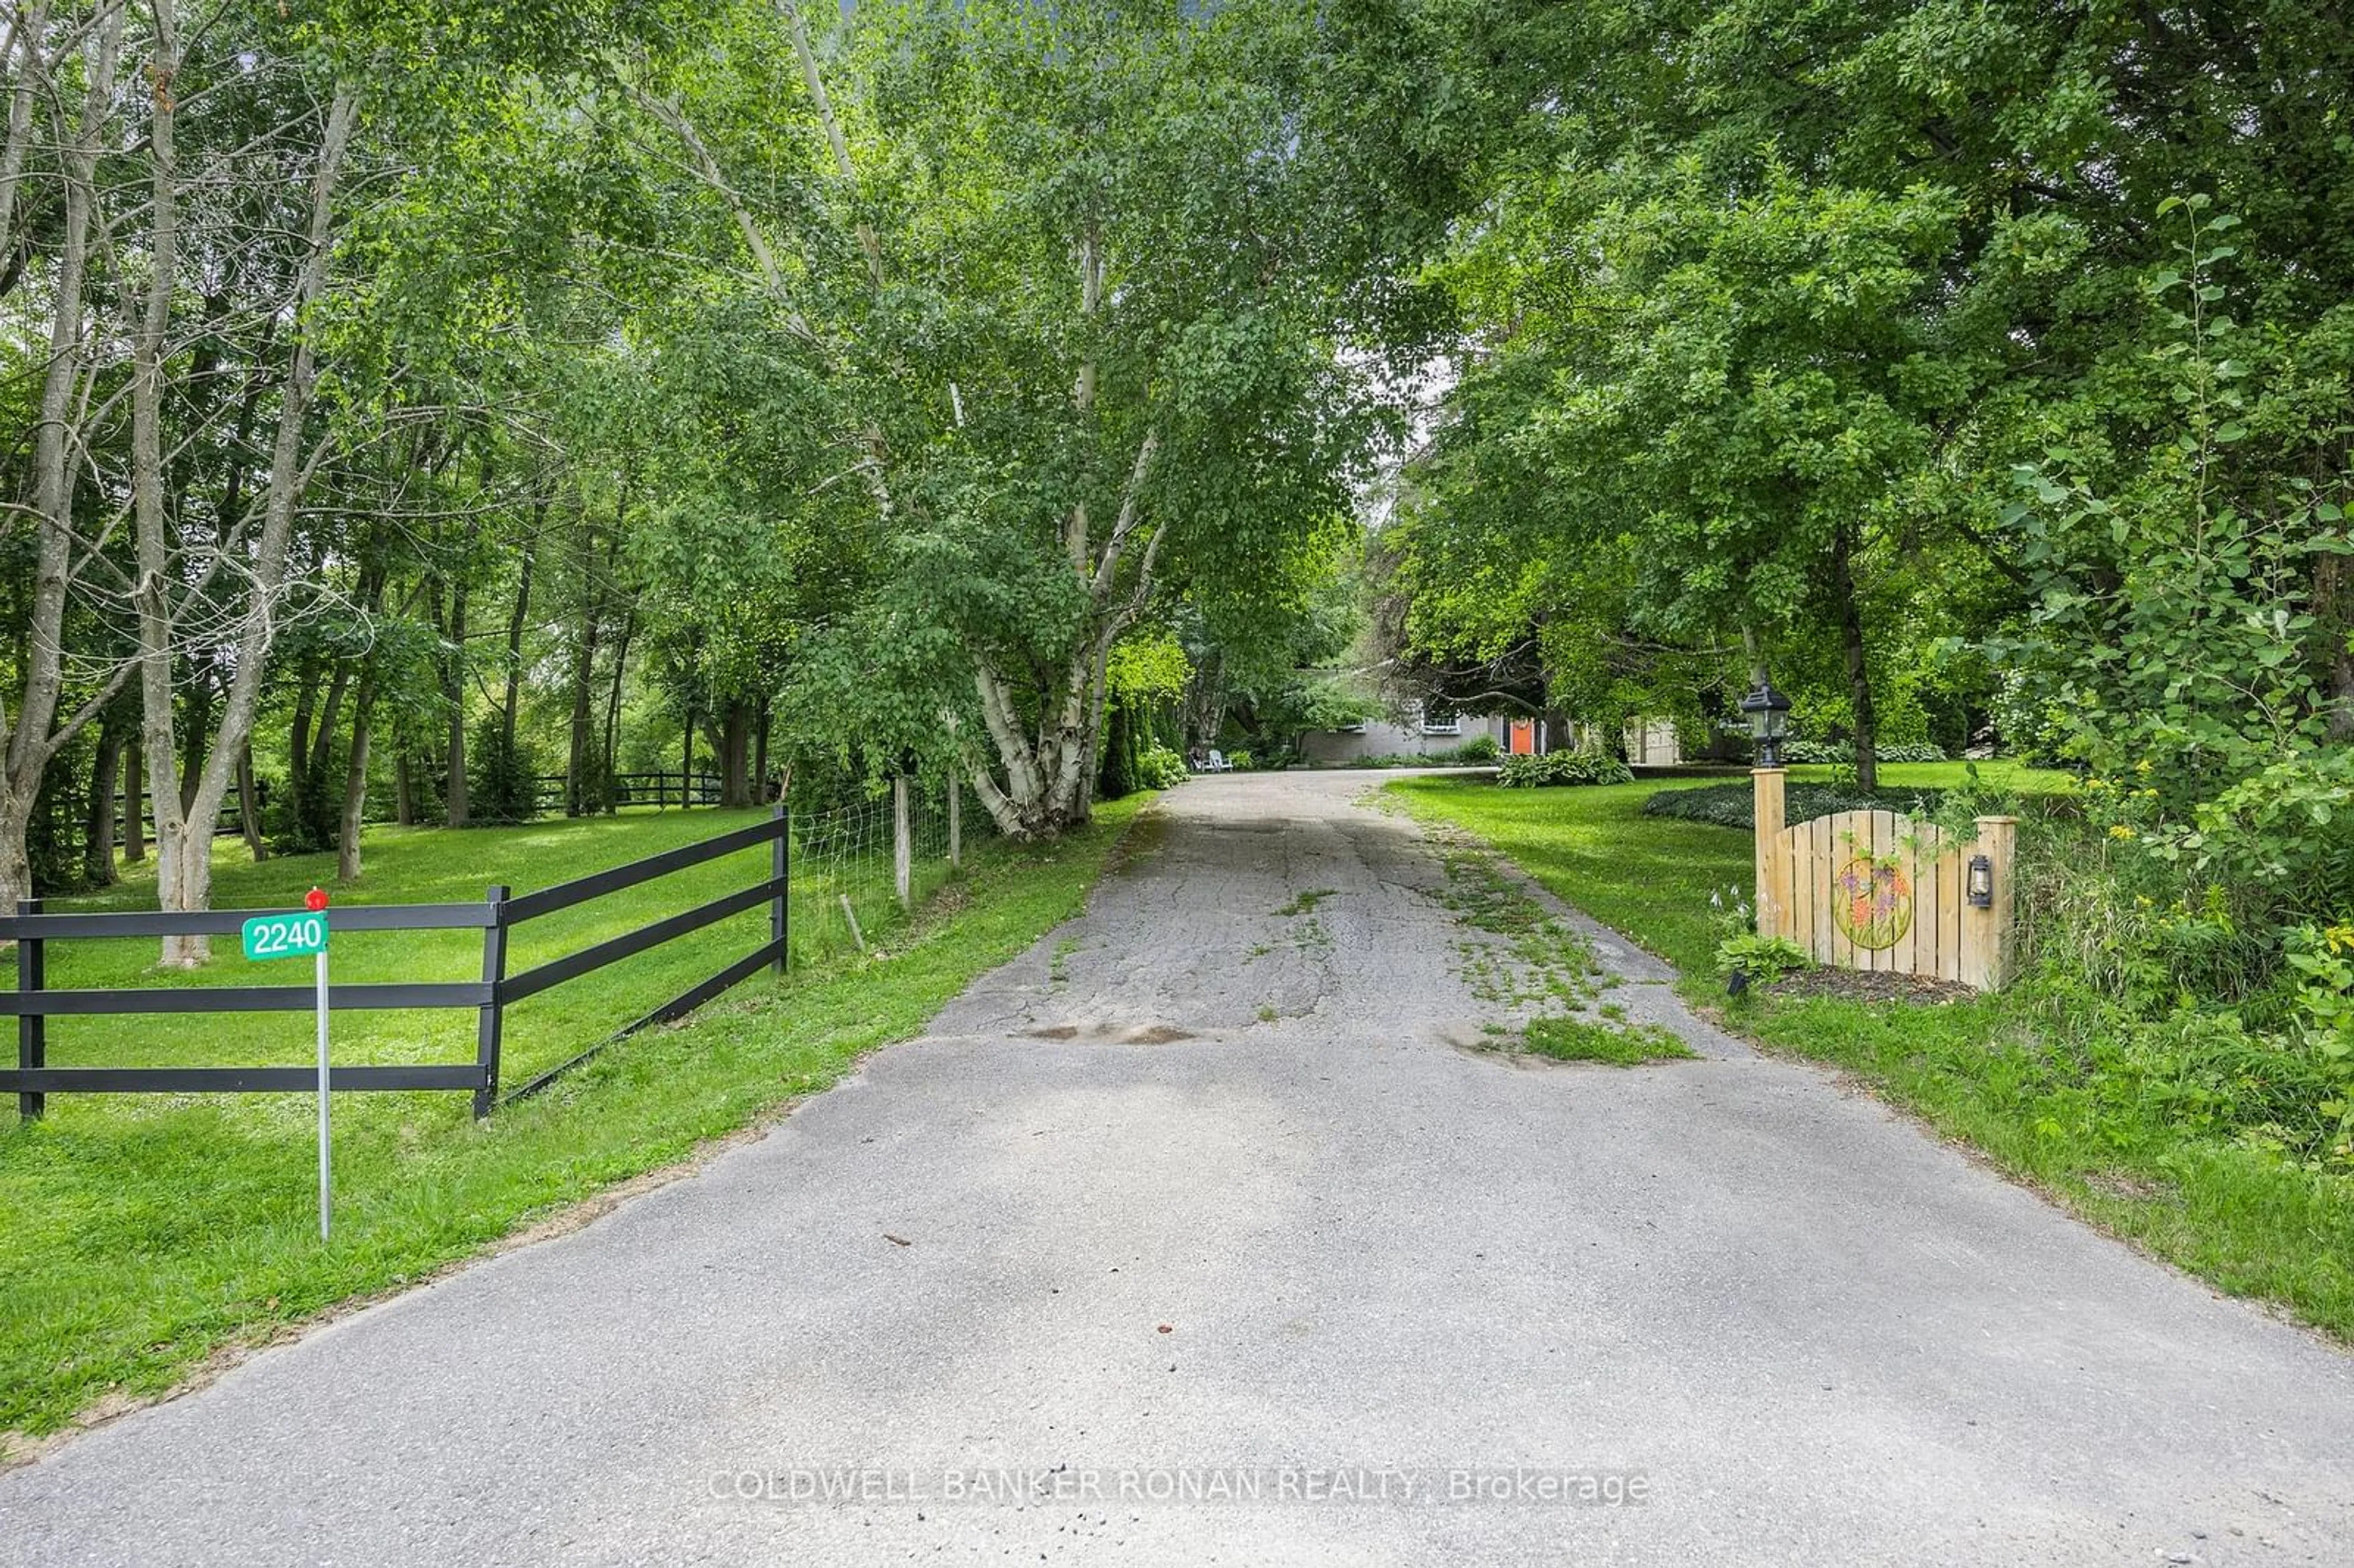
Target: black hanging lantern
x: 1981, y: 885
x: 1769, y: 720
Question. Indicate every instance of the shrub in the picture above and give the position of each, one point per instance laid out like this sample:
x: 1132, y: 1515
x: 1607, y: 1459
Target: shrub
x: 2288, y: 829
x: 1242, y: 760
x: 1839, y: 752
x: 2322, y: 1037
x: 500, y: 783
x: 2027, y: 726
x: 1743, y: 957
x: 1760, y: 960
x: 1735, y: 805
x: 1558, y: 768
x: 1479, y: 748
x: 2174, y: 1007
x: 1157, y: 768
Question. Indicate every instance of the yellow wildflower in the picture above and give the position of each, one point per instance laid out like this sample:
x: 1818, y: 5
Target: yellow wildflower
x: 2341, y: 938
x: 2121, y: 831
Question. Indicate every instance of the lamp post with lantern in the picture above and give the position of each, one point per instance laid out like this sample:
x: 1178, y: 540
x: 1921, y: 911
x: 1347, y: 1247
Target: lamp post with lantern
x: 1768, y: 711
x: 1769, y: 720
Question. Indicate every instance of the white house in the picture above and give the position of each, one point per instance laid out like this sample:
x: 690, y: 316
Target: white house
x: 1651, y: 742
x: 1418, y: 734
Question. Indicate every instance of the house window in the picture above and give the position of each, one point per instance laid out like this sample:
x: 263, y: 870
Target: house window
x: 1441, y: 723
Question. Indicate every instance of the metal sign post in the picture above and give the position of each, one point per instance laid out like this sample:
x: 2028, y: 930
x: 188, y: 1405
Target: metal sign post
x: 326, y: 1145
x: 294, y: 937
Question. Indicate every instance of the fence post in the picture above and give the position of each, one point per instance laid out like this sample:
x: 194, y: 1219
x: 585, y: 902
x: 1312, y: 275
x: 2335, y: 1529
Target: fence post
x: 956, y: 821
x: 32, y: 1028
x: 491, y: 1019
x: 1987, y: 932
x: 903, y: 849
x: 1769, y: 812
x: 780, y: 870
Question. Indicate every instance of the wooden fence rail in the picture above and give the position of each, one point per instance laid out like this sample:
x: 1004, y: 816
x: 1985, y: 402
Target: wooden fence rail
x: 33, y: 1004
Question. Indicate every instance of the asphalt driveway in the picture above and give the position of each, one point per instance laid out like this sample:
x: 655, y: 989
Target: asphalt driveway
x: 1199, y: 1235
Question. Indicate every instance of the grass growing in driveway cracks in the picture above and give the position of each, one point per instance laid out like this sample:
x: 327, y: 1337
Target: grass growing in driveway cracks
x: 140, y: 1235
x: 1977, y: 1071
x: 1522, y: 957
x: 1620, y: 1044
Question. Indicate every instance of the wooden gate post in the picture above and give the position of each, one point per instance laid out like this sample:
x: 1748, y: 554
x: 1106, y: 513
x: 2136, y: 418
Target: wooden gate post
x: 956, y: 821
x: 32, y: 1028
x: 490, y: 1021
x: 781, y: 872
x: 1986, y: 954
x: 1772, y: 919
x: 903, y: 849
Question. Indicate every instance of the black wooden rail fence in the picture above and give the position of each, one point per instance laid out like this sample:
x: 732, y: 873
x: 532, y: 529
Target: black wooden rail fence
x: 34, y: 1004
x: 661, y: 790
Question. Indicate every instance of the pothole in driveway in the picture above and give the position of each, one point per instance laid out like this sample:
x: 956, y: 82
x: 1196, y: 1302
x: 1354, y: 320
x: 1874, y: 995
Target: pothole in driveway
x: 1143, y: 1034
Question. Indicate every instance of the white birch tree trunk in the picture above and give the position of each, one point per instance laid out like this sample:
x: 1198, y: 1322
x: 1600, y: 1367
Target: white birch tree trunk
x: 183, y: 838
x: 31, y: 737
x: 1043, y: 782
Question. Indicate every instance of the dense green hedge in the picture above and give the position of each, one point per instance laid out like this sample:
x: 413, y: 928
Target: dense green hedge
x: 1835, y: 751
x: 1564, y: 768
x: 1734, y: 805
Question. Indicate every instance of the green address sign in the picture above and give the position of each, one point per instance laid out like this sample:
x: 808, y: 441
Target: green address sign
x: 285, y: 936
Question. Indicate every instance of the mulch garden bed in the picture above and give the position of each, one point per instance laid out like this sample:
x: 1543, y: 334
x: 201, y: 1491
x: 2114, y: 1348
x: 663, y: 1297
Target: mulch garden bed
x: 1873, y: 985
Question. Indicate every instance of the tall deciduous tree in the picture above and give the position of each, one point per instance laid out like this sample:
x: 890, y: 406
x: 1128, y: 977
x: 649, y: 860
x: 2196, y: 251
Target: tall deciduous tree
x: 1068, y: 287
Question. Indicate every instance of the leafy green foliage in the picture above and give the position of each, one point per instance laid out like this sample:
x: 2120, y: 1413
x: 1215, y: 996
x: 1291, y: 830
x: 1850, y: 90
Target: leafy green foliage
x: 2323, y: 1027
x: 2288, y: 829
x: 1148, y: 666
x: 1743, y: 955
x: 1029, y: 358
x: 1760, y: 961
x: 1735, y: 805
x: 1563, y: 768
x: 2182, y: 617
x: 1161, y: 768
x: 501, y: 775
x: 1839, y: 751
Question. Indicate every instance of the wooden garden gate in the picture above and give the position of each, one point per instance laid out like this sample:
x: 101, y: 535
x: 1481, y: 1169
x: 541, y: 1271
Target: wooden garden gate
x: 1877, y: 890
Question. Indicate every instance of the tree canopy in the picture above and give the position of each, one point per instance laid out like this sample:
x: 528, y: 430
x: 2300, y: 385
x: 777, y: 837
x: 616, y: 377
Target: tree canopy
x: 445, y: 413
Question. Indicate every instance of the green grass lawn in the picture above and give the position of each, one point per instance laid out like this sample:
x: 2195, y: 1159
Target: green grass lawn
x: 1977, y: 1071
x: 138, y: 1233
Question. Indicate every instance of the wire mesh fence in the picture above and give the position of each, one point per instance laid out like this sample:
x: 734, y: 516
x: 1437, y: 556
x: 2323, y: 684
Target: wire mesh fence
x: 846, y: 891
